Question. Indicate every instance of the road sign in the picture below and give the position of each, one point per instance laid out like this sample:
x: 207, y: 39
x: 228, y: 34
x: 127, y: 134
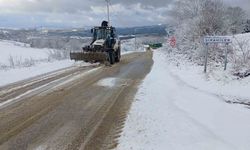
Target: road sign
x: 217, y: 39
x: 173, y: 41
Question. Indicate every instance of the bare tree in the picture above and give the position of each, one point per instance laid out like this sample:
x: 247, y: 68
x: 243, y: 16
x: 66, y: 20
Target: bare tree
x: 185, y: 10
x: 198, y: 18
x: 212, y: 18
x: 243, y: 46
x: 235, y: 17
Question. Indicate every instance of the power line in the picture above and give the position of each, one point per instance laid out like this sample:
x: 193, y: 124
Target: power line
x: 108, y: 3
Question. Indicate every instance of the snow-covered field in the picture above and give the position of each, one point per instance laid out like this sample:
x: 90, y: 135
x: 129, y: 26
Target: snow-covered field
x: 19, y: 61
x: 178, y: 108
x: 20, y: 51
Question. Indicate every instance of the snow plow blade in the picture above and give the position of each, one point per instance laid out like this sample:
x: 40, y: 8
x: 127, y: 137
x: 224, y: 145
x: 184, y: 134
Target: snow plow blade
x: 89, y: 56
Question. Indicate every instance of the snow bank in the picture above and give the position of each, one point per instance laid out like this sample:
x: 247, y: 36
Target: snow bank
x: 169, y: 114
x: 18, y: 74
x: 218, y: 81
x: 245, y: 36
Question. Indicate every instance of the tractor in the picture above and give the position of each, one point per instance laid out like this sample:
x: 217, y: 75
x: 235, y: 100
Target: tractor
x: 105, y: 46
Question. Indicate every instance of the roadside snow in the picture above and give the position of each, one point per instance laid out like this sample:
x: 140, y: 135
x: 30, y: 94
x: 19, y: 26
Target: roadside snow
x: 18, y: 74
x: 128, y: 46
x: 170, y: 114
x: 218, y: 82
x: 128, y: 52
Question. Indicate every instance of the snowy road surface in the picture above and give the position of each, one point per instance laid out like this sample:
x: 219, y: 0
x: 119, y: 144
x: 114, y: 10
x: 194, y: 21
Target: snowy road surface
x: 75, y: 108
x: 169, y: 114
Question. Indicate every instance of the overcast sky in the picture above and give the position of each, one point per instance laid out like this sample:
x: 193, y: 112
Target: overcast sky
x: 80, y: 13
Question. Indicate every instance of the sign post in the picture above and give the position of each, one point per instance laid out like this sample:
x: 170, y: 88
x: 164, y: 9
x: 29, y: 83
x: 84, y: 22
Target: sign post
x: 206, y: 57
x: 216, y: 40
x: 226, y: 52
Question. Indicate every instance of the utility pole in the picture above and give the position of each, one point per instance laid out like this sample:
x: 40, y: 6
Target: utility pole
x: 135, y: 39
x: 108, y: 2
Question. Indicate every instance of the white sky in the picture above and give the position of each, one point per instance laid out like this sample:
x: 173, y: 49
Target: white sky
x: 80, y: 13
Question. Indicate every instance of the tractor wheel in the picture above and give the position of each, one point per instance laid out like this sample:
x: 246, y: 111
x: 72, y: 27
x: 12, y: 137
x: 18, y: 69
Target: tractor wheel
x: 111, y: 57
x: 118, y: 55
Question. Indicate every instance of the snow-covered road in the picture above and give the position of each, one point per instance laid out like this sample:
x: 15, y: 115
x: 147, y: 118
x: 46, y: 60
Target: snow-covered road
x: 169, y: 114
x: 71, y: 108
